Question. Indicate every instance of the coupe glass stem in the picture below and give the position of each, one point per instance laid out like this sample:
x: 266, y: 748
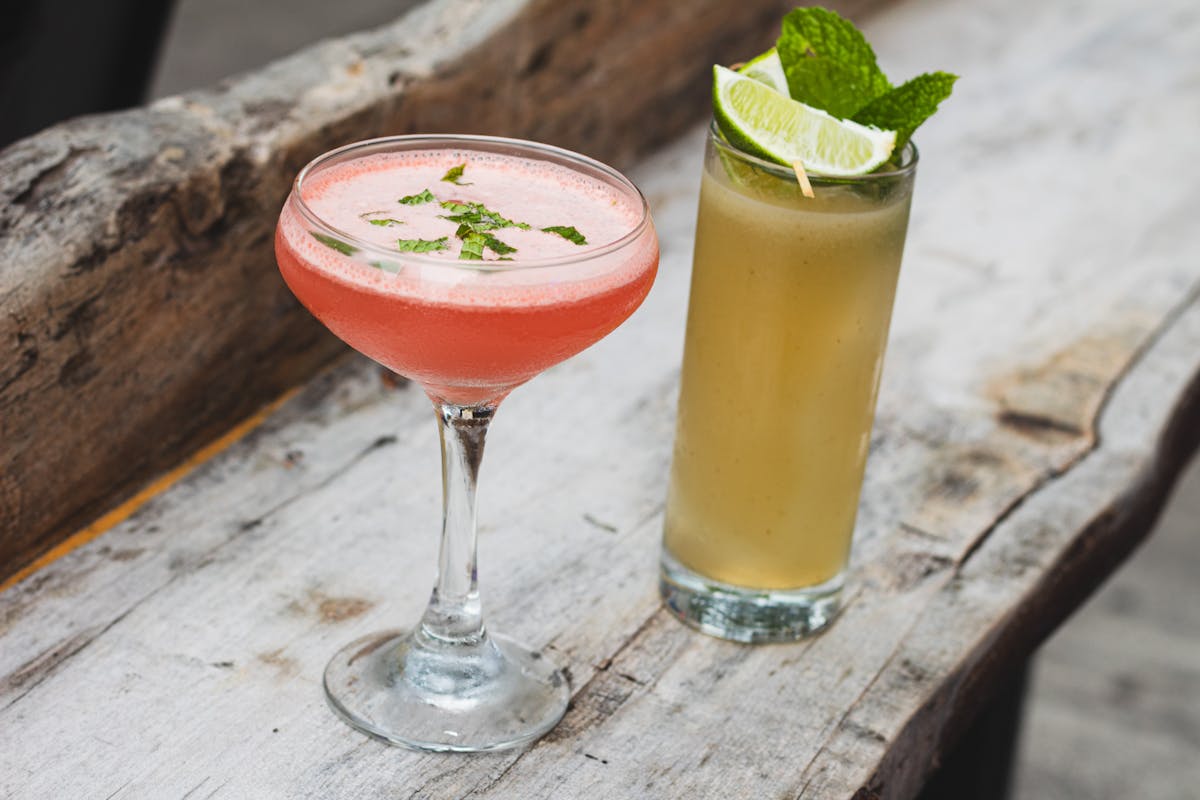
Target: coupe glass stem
x: 448, y: 684
x: 455, y: 614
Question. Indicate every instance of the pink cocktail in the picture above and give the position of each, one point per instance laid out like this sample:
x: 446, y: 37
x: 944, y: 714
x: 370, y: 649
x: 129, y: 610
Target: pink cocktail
x: 469, y: 265
x: 468, y: 331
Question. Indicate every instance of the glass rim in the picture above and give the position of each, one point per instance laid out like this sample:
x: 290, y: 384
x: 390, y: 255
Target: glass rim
x: 530, y: 147
x: 909, y: 156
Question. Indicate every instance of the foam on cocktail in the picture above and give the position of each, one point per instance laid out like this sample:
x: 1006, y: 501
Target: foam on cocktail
x: 540, y: 194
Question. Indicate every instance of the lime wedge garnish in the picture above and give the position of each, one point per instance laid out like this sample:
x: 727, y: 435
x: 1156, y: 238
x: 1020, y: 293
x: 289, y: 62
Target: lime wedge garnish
x: 763, y: 122
x: 767, y: 69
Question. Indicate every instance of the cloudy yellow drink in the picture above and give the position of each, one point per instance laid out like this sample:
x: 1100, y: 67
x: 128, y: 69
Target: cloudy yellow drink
x: 790, y: 303
x: 791, y: 299
x: 792, y: 291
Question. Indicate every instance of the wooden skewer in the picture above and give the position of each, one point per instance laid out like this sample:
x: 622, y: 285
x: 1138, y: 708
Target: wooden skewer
x: 802, y: 178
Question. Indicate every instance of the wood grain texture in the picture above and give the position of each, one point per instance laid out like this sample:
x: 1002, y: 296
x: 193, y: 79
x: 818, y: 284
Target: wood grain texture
x: 1041, y: 391
x: 140, y: 309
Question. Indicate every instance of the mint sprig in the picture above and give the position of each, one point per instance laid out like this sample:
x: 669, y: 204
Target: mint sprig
x: 830, y: 65
x: 828, y: 60
x: 385, y: 223
x: 904, y: 108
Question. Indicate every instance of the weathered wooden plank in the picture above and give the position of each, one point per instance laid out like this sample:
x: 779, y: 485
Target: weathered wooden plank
x: 124, y: 237
x: 1041, y: 392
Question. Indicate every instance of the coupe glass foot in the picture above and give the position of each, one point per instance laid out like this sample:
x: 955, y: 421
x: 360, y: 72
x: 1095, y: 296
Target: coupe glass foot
x: 412, y: 690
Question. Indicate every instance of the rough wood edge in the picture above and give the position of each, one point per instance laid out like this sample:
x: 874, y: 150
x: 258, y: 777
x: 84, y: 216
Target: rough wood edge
x: 1111, y: 532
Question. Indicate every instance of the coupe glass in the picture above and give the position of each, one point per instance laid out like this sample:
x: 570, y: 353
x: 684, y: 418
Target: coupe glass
x: 468, y: 332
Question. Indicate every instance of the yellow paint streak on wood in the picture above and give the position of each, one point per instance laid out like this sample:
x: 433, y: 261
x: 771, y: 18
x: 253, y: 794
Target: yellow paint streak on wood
x: 156, y: 487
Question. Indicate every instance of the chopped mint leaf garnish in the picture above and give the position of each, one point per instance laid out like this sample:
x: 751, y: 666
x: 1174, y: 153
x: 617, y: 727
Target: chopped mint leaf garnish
x: 417, y: 199
x: 475, y: 241
x: 567, y: 232
x: 454, y: 173
x: 472, y: 249
x: 477, y: 218
x: 496, y: 246
x: 385, y: 223
x: 828, y: 62
x: 344, y: 248
x: 904, y: 108
x: 422, y: 245
x: 387, y: 266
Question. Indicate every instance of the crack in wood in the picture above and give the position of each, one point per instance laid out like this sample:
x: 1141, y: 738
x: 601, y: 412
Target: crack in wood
x: 42, y: 667
x: 51, y: 173
x: 921, y: 533
x: 251, y: 524
x: 1036, y: 424
x: 598, y: 674
x: 193, y: 790
x: 1051, y: 475
x: 27, y: 345
x: 119, y: 790
x: 833, y: 731
x: 213, y: 793
x: 596, y: 523
x: 494, y: 781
